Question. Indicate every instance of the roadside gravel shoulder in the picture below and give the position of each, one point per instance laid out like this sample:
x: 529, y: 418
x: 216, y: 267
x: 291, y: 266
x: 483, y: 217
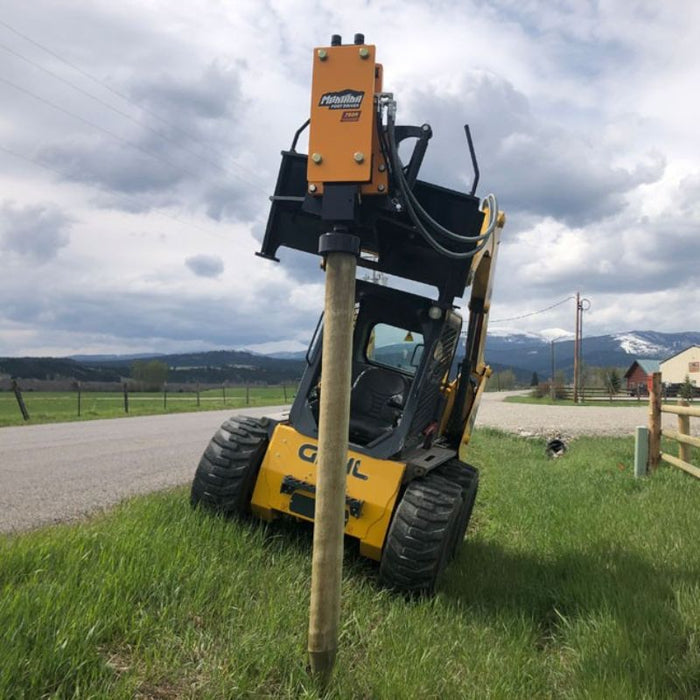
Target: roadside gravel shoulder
x: 565, y: 421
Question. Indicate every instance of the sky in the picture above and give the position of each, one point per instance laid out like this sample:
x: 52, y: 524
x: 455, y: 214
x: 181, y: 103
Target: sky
x: 140, y: 141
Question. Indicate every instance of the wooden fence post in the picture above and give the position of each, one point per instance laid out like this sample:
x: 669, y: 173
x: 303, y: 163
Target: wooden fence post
x: 77, y: 386
x: 334, y: 416
x: 284, y: 391
x: 654, y: 420
x: 683, y: 429
x: 20, y: 400
x: 165, y: 395
x: 247, y: 395
x: 126, y: 398
x: 223, y: 391
x: 197, y: 394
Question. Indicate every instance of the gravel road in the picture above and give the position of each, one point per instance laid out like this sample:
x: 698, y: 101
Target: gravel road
x: 566, y: 421
x: 62, y: 471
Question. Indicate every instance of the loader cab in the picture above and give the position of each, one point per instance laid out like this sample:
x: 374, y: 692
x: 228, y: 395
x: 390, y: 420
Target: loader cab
x: 403, y: 346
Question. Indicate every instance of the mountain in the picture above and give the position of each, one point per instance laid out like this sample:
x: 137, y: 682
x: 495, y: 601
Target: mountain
x: 534, y: 353
x: 289, y: 355
x: 524, y: 353
x: 214, y: 367
x: 120, y: 359
x: 54, y: 368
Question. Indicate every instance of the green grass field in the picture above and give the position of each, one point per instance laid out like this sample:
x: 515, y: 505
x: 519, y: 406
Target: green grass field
x: 576, y: 581
x: 52, y: 407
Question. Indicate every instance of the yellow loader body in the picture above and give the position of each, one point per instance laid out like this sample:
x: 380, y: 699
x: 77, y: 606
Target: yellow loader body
x: 286, y: 484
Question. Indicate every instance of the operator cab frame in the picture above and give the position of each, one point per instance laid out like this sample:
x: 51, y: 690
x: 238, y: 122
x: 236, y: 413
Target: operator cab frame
x: 396, y: 398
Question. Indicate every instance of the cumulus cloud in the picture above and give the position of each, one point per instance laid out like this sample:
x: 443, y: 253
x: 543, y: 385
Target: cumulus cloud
x: 35, y: 232
x: 537, y: 166
x: 226, y: 322
x: 584, y: 125
x: 211, y: 94
x: 180, y: 148
x: 205, y: 265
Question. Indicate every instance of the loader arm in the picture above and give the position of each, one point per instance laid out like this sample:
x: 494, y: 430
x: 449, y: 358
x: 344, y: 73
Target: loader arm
x: 474, y: 372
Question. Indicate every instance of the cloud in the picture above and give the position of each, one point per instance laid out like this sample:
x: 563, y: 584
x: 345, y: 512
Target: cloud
x: 205, y: 265
x: 180, y: 148
x: 35, y: 232
x: 212, y: 94
x: 160, y: 317
x: 584, y: 125
x: 536, y: 166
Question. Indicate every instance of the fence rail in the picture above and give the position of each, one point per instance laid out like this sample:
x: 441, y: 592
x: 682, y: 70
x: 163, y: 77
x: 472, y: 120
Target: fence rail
x: 596, y: 393
x: 682, y: 435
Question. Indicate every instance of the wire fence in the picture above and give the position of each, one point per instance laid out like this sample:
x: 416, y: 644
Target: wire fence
x: 36, y: 406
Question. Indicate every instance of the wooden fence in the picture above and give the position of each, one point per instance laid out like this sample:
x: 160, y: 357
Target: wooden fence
x: 682, y: 435
x: 594, y: 393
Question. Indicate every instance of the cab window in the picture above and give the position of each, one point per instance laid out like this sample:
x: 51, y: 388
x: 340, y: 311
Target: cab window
x: 398, y: 348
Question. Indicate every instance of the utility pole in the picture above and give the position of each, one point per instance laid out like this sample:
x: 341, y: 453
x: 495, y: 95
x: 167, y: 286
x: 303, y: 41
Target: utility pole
x: 551, y: 380
x: 581, y: 306
x: 577, y: 346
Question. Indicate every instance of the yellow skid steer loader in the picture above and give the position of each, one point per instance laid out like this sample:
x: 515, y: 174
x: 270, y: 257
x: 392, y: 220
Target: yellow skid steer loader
x: 410, y: 492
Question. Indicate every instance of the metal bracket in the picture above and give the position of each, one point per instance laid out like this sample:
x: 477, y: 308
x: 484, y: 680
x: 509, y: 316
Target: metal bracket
x: 290, y: 484
x: 422, y: 461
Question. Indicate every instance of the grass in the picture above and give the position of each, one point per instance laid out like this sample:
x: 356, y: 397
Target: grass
x: 576, y: 581
x: 56, y: 406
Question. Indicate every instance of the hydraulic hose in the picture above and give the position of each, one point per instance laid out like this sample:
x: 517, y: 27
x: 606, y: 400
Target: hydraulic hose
x: 420, y: 217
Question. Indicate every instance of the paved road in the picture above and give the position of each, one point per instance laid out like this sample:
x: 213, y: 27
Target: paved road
x: 61, y: 471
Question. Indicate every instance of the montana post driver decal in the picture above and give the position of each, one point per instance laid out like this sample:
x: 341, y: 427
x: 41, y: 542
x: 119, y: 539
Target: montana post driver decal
x: 344, y: 99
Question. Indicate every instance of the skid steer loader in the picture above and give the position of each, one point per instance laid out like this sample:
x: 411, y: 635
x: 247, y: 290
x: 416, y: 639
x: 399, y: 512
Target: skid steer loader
x: 409, y: 490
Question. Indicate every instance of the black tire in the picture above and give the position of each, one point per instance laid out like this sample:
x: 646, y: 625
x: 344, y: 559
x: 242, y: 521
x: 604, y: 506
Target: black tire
x: 467, y: 477
x: 421, y: 534
x: 225, y: 478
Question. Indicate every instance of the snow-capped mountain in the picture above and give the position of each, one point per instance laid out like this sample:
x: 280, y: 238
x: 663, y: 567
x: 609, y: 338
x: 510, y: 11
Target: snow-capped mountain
x: 533, y: 352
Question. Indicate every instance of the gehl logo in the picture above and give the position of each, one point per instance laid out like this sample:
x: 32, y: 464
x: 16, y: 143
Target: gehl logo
x: 309, y: 453
x: 345, y: 99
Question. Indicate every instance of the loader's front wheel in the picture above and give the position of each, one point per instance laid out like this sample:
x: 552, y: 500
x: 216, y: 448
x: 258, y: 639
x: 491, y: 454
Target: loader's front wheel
x: 225, y: 478
x: 467, y: 477
x: 421, y: 535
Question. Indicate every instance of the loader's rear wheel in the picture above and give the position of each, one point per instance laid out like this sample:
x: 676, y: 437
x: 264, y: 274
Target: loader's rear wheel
x: 225, y: 478
x: 421, y: 534
x: 467, y: 477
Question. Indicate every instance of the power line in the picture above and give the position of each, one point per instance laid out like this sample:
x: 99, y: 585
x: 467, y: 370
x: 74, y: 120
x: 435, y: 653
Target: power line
x: 143, y: 150
x: 126, y: 115
x: 121, y: 195
x: 533, y: 313
x: 126, y: 98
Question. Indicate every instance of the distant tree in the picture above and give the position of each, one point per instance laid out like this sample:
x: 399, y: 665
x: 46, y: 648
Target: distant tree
x: 506, y: 380
x: 586, y: 373
x: 151, y: 375
x: 687, y: 389
x: 535, y: 379
x: 613, y: 381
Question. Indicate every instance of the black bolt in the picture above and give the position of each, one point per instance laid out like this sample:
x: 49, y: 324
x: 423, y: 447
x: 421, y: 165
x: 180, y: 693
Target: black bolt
x: 359, y: 38
x: 336, y: 40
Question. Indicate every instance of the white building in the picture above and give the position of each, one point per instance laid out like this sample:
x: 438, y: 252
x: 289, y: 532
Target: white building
x: 684, y: 364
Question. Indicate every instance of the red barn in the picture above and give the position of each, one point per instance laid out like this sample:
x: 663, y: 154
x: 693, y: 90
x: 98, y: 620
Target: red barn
x: 637, y: 375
